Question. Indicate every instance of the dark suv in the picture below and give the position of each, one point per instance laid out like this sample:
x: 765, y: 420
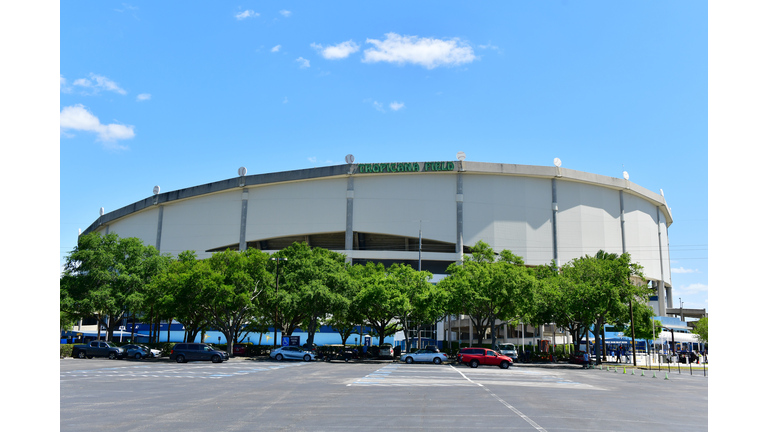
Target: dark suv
x: 475, y: 357
x: 184, y: 352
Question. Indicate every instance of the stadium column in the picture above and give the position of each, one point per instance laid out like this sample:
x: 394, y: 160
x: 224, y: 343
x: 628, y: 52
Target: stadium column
x: 348, y: 235
x: 623, y: 237
x: 554, y: 223
x: 459, y: 217
x: 243, y: 219
x: 669, y: 289
x: 661, y: 291
x: 159, y: 227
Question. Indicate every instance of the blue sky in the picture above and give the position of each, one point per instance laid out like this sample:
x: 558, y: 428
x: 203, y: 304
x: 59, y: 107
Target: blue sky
x: 182, y: 94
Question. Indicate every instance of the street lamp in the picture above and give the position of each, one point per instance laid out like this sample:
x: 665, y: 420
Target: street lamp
x: 277, y: 285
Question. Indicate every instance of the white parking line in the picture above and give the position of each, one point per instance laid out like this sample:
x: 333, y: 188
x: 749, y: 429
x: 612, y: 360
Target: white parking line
x: 515, y: 410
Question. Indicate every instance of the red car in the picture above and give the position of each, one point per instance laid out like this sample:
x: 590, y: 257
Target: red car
x: 238, y: 350
x: 474, y: 357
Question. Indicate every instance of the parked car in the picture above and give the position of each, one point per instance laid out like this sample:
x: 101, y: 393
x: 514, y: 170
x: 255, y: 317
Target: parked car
x: 137, y: 351
x: 154, y: 353
x: 424, y: 355
x: 386, y: 351
x: 578, y: 358
x: 184, y: 352
x: 291, y: 353
x: 508, y: 350
x: 98, y: 348
x: 474, y: 357
x: 238, y: 350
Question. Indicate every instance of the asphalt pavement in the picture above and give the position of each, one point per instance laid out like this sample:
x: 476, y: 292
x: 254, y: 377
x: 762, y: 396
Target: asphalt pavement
x: 254, y: 394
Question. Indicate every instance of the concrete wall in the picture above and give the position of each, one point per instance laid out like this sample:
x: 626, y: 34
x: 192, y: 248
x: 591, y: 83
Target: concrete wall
x: 511, y: 213
x: 201, y: 223
x: 641, y: 233
x: 141, y: 224
x: 588, y: 219
x: 507, y: 206
x: 394, y: 204
x: 306, y: 207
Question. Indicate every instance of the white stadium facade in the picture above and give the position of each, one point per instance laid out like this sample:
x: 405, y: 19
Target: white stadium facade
x: 374, y: 212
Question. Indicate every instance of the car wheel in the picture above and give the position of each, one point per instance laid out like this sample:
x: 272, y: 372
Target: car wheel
x: 474, y: 363
x: 81, y: 354
x: 437, y: 360
x: 180, y: 359
x: 409, y: 360
x: 216, y: 359
x: 307, y: 358
x: 137, y: 356
x: 279, y: 357
x: 112, y: 356
x: 504, y: 365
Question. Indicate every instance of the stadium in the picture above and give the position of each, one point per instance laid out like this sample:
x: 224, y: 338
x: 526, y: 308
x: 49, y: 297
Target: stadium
x: 426, y: 214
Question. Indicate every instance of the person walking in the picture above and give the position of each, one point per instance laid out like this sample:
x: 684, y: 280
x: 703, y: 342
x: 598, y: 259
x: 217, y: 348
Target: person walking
x: 586, y: 360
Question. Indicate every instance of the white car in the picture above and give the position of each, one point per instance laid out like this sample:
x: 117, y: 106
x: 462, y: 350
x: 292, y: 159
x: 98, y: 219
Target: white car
x: 154, y: 353
x: 291, y: 353
x: 423, y: 355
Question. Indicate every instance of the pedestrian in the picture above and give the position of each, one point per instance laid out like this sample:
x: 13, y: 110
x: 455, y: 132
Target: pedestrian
x: 586, y: 360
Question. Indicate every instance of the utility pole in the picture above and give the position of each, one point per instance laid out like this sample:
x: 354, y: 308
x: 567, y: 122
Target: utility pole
x: 632, y: 324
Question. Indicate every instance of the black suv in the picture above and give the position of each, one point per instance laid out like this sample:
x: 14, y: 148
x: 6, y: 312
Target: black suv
x: 184, y: 352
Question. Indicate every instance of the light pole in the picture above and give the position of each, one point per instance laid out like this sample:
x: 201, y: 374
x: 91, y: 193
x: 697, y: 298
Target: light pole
x: 277, y: 289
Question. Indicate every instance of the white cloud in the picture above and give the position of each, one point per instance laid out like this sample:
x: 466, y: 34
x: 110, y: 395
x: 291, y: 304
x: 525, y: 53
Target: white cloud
x: 98, y: 83
x: 683, y: 270
x: 303, y: 63
x: 285, y: 13
x: 426, y: 52
x: 285, y: 100
x: 143, y: 97
x: 246, y: 14
x: 63, y: 87
x: 335, y: 52
x: 77, y: 117
x: 695, y: 288
x: 378, y: 106
x: 276, y: 48
x: 396, y: 106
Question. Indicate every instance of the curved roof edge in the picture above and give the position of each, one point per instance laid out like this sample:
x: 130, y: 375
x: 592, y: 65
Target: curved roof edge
x: 351, y: 169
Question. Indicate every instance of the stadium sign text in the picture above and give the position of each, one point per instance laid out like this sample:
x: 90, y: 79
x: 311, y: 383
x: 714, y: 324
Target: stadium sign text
x: 405, y: 167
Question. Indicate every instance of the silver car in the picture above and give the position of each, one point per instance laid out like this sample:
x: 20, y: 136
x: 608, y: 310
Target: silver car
x: 291, y: 353
x: 424, y: 355
x: 136, y: 351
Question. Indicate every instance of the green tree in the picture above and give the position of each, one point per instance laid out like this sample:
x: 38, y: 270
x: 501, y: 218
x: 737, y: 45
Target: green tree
x: 603, y: 285
x: 105, y: 275
x: 316, y: 282
x: 489, y: 288
x: 377, y: 298
x: 701, y: 329
x: 417, y: 301
x: 229, y: 288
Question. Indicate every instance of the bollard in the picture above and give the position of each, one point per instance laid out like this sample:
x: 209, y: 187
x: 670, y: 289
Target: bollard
x: 654, y: 374
x: 643, y: 373
x: 625, y: 370
x: 616, y: 369
x: 666, y: 375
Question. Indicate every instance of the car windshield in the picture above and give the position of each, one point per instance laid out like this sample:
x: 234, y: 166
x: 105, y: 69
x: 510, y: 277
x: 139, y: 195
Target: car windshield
x: 207, y: 348
x: 507, y: 347
x: 111, y: 345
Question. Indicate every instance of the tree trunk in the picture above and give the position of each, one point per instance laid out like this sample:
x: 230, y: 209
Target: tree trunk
x: 493, y: 330
x: 598, y: 346
x: 170, y: 320
x: 605, y: 359
x: 311, y: 330
x: 202, y: 336
x: 98, y: 327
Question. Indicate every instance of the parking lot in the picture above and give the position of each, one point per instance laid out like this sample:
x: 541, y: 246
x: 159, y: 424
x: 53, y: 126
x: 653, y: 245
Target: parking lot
x: 245, y: 394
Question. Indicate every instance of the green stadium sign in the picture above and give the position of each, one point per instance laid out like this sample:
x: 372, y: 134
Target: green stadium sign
x: 405, y: 167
